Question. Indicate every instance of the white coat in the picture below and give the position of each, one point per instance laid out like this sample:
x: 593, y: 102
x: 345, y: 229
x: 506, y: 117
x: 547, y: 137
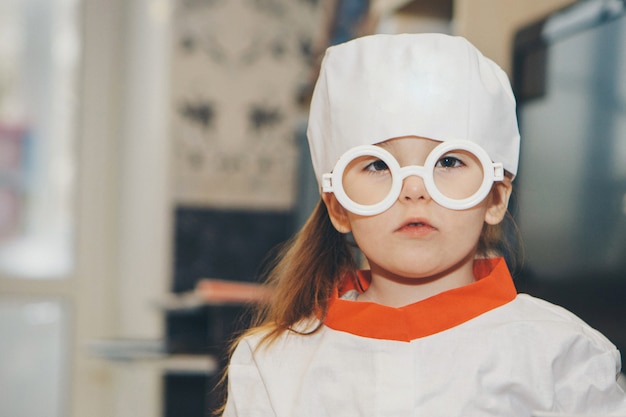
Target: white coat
x: 479, y: 350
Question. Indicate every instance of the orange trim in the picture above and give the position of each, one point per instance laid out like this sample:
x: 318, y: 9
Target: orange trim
x: 493, y: 288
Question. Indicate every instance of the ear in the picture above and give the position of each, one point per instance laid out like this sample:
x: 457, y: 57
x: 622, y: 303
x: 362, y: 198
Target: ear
x: 498, y: 201
x: 338, y: 215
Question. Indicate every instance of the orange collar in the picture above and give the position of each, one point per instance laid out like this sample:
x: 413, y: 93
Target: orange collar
x: 493, y: 288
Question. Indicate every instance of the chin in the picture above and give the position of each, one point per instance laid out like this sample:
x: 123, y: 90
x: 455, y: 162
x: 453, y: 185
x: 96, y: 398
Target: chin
x: 416, y: 272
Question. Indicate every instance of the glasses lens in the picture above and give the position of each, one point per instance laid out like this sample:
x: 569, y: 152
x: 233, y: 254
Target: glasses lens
x: 458, y: 174
x: 367, y: 180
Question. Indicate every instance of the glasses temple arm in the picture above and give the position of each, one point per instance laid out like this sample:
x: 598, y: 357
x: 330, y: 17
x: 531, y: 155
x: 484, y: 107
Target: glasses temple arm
x: 498, y: 171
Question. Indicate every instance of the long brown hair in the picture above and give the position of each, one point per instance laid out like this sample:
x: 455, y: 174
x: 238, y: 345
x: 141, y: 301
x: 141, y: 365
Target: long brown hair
x: 305, y: 273
x: 503, y: 239
x: 302, y: 278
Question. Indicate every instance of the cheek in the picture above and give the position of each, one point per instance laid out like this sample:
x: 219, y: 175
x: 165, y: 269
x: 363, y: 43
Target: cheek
x: 367, y: 233
x: 470, y: 223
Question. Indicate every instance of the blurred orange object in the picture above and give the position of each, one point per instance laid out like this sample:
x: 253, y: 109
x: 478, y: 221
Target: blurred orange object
x: 222, y: 291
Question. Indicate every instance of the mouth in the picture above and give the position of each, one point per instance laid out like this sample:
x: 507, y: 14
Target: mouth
x: 416, y: 224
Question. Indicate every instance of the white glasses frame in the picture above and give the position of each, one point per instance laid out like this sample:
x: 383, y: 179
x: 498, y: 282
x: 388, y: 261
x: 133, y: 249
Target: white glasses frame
x: 492, y: 172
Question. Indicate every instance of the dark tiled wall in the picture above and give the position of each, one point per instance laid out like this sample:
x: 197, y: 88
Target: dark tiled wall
x: 225, y: 244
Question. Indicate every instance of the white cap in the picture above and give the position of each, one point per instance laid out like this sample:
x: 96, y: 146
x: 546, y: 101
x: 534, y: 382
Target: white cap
x: 435, y: 86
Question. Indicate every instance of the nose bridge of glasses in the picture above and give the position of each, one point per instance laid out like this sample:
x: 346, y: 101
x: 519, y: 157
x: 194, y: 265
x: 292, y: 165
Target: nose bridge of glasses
x: 413, y: 170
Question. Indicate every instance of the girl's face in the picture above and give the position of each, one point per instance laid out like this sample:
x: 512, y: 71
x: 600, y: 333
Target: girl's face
x: 416, y: 237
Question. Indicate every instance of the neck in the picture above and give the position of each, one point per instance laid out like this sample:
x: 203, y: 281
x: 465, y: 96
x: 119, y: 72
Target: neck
x: 397, y: 290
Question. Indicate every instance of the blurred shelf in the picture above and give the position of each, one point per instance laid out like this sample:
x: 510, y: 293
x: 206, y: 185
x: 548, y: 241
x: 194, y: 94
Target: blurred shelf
x: 152, y: 353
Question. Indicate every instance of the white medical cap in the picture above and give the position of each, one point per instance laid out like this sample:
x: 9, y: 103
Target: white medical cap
x: 436, y: 86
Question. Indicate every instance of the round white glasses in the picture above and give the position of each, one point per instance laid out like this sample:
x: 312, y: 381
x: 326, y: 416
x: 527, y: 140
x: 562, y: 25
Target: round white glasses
x: 367, y: 179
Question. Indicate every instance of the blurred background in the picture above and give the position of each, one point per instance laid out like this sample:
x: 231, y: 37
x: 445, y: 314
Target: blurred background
x: 153, y: 153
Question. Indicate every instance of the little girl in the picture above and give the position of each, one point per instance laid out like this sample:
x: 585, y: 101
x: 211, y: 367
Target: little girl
x: 414, y: 142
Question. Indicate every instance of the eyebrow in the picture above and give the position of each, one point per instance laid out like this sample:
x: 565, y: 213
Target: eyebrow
x: 386, y: 144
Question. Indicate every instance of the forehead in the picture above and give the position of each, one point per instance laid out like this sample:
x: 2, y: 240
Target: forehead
x: 407, y: 146
x: 407, y: 139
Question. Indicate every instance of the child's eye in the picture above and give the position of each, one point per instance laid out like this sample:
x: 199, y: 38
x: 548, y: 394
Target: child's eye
x: 377, y: 165
x: 449, y: 162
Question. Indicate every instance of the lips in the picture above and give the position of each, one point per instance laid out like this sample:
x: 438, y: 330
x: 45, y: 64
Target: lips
x: 416, y: 225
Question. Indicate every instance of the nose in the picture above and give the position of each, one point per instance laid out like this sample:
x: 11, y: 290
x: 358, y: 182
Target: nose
x: 413, y: 189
